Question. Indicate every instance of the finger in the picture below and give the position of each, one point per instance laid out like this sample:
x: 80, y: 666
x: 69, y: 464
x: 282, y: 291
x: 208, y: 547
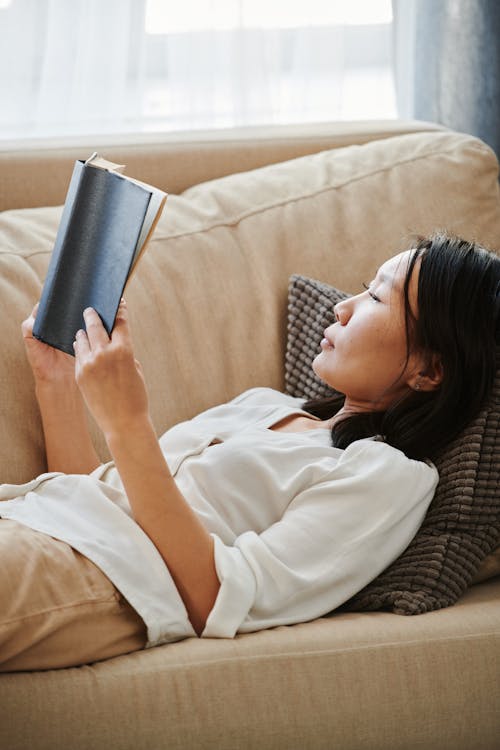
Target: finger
x: 122, y: 312
x: 121, y: 330
x: 96, y: 333
x: 27, y: 325
x: 81, y: 345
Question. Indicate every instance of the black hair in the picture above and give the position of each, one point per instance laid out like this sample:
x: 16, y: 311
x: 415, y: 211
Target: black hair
x: 458, y: 321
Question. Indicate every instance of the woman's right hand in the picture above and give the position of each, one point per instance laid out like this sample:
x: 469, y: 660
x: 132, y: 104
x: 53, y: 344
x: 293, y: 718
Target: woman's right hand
x: 49, y: 365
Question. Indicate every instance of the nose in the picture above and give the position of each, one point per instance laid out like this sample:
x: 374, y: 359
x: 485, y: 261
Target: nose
x: 341, y: 311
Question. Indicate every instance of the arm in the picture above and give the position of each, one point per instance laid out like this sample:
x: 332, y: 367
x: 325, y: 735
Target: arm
x: 113, y: 386
x: 68, y: 444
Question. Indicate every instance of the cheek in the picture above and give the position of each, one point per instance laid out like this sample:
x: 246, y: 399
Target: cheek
x: 376, y: 331
x: 365, y: 338
x: 373, y: 348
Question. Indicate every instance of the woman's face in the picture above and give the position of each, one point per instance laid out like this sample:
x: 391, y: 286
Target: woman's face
x: 363, y: 354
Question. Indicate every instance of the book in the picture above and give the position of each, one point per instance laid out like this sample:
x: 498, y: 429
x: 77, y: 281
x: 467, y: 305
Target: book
x: 106, y: 223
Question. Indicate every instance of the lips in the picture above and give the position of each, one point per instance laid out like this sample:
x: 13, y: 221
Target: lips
x: 326, y: 342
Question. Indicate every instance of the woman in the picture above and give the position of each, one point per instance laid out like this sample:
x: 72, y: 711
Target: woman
x: 260, y: 512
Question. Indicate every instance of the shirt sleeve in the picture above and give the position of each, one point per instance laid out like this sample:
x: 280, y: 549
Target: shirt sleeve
x: 334, y: 538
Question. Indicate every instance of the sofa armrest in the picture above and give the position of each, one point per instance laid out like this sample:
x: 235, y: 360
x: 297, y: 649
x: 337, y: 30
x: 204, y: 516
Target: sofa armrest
x: 37, y: 173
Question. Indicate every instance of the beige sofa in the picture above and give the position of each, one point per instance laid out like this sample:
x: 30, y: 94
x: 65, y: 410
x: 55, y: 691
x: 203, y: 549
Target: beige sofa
x: 208, y: 305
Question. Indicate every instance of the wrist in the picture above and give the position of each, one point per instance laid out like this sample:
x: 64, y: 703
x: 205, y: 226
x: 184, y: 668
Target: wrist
x: 62, y: 388
x: 59, y: 381
x: 137, y: 428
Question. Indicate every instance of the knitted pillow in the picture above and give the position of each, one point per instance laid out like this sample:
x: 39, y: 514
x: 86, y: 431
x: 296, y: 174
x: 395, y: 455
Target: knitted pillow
x: 462, y: 524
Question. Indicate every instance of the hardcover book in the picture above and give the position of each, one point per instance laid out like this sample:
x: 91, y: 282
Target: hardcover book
x: 107, y: 221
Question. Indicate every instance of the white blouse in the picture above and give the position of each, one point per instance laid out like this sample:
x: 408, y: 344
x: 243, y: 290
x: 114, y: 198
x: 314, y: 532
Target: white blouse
x: 299, y: 526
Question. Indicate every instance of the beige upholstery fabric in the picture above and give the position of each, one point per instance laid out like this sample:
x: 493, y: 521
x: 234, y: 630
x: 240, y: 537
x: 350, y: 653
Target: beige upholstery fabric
x: 208, y: 300
x: 37, y: 174
x: 373, y: 681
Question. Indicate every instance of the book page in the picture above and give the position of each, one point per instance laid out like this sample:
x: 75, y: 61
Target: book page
x: 153, y: 213
x: 97, y: 161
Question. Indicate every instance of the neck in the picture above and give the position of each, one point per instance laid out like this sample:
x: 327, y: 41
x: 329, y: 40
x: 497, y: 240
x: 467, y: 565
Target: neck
x: 348, y: 409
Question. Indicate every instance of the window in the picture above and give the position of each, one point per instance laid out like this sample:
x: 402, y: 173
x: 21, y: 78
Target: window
x: 111, y: 66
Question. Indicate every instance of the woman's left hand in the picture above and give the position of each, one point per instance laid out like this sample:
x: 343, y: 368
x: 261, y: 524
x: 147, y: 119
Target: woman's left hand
x: 108, y: 375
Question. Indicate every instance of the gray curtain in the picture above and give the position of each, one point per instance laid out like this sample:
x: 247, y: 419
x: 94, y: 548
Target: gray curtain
x: 447, y: 64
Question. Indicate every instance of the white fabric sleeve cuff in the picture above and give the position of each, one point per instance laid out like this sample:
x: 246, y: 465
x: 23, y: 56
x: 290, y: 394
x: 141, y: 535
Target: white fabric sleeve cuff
x: 236, y: 594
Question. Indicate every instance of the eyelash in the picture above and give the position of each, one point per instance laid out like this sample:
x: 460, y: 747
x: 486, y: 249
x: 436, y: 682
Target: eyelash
x: 373, y: 296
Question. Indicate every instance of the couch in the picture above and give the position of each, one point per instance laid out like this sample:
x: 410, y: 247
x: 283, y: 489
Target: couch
x: 208, y: 307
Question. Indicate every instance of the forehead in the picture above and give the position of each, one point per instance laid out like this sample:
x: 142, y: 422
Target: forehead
x: 394, y: 270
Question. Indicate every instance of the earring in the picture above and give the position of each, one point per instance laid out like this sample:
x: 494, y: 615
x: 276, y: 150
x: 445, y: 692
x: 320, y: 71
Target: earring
x: 417, y: 384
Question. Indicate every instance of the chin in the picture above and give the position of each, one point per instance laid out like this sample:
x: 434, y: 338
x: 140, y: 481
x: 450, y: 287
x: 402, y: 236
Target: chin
x: 319, y: 374
x: 314, y: 366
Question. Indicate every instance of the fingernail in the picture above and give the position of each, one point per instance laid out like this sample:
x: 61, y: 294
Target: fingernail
x: 87, y: 310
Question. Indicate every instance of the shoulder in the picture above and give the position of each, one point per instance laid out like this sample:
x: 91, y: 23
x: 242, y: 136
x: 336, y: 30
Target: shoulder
x: 385, y: 464
x: 263, y: 395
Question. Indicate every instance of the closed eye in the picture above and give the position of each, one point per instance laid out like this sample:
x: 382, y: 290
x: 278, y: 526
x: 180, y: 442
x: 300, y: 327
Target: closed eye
x: 373, y: 296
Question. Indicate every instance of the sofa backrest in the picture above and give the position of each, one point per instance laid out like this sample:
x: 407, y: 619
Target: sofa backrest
x: 208, y: 301
x: 37, y: 173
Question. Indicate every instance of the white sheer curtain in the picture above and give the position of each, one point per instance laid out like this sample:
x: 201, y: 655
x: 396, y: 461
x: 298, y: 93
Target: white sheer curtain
x: 108, y: 66
x: 70, y: 66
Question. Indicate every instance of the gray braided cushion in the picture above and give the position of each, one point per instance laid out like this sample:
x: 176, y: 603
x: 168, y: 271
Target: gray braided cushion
x: 462, y: 524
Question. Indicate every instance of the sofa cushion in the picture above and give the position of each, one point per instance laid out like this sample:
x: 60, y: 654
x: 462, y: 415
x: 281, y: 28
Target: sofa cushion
x: 364, y: 681
x: 462, y: 524
x: 208, y: 299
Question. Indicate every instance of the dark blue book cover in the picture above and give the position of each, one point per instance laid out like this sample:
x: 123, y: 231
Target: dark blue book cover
x: 99, y: 238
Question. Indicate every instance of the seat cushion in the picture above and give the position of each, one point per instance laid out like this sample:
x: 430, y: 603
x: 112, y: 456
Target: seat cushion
x: 355, y: 681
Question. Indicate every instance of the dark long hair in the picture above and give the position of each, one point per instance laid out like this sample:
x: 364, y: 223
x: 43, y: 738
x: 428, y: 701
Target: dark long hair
x: 458, y: 320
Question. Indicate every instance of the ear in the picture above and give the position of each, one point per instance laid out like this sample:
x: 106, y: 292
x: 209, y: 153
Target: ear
x: 430, y: 375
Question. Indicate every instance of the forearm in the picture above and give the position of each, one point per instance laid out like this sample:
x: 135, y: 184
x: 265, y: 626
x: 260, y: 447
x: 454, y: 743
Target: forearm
x: 68, y: 444
x: 111, y: 380
x: 162, y: 512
